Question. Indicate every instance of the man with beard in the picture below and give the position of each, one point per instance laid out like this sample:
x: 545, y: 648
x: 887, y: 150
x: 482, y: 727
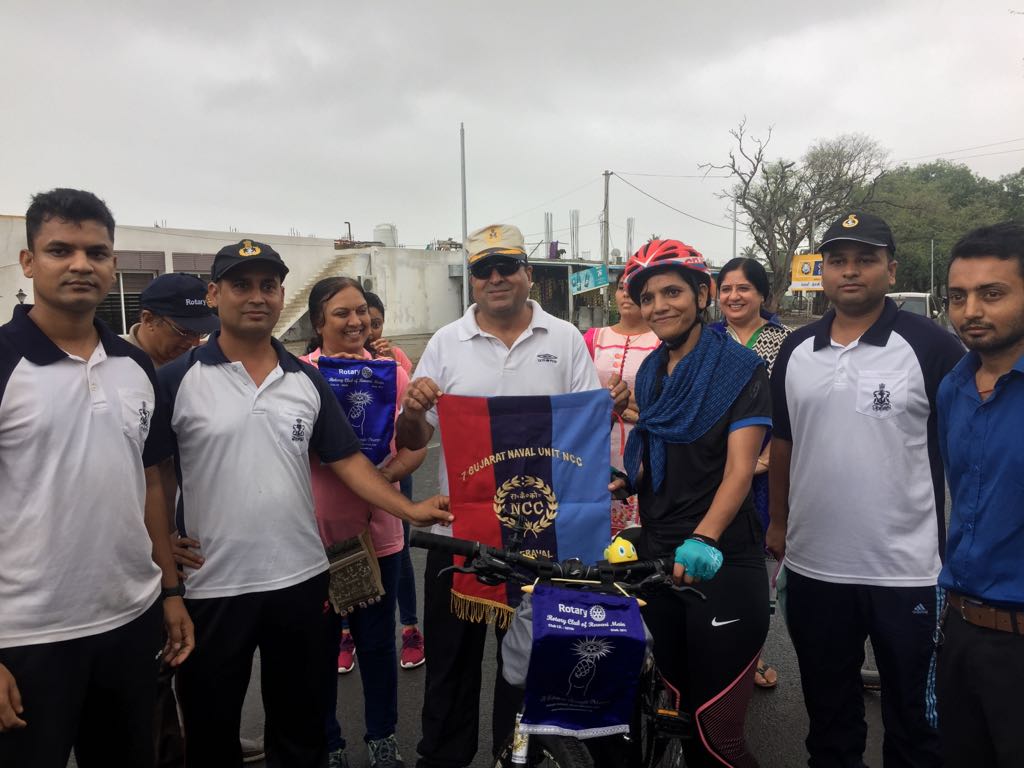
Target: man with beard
x: 981, y: 418
x: 857, y: 500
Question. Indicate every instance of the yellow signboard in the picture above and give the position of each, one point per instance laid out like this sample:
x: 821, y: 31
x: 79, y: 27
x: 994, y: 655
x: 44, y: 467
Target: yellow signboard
x: 806, y: 274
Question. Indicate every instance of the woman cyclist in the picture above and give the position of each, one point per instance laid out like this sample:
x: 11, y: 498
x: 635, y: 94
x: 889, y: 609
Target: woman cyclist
x: 704, y: 407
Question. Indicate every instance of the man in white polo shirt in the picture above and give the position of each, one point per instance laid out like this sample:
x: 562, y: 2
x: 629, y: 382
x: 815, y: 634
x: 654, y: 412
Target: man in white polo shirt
x: 245, y: 415
x: 82, y: 513
x: 505, y: 344
x: 857, y: 500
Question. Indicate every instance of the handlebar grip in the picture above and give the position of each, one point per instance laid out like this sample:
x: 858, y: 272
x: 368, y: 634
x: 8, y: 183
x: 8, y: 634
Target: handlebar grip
x: 446, y: 544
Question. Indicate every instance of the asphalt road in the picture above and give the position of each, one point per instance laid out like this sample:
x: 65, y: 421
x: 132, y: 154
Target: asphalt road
x: 776, y: 721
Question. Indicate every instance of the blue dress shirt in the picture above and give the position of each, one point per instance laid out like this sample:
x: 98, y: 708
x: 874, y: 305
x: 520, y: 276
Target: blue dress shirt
x: 982, y: 445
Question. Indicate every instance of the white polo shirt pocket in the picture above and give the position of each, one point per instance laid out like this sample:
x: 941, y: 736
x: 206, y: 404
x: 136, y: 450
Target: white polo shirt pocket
x: 294, y: 428
x: 882, y: 394
x: 136, y: 414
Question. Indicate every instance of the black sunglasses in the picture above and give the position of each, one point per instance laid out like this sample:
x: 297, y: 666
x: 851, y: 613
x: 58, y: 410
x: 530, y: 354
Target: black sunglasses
x: 505, y: 267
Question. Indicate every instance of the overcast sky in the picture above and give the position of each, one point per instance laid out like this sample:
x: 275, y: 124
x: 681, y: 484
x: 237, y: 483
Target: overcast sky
x: 268, y: 116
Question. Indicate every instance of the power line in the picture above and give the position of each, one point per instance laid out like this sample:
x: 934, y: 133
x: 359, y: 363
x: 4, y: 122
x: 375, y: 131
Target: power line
x: 988, y: 154
x: 673, y: 175
x: 552, y: 200
x: 562, y: 229
x: 966, y: 149
x: 672, y: 207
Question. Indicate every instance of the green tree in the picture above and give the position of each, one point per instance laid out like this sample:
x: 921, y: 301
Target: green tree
x: 936, y: 202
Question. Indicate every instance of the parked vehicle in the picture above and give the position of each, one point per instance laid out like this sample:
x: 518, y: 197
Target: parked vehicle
x: 921, y: 304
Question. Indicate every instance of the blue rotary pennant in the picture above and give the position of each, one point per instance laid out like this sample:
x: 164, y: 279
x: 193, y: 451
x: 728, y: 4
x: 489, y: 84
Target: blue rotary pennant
x: 588, y: 650
x: 367, y: 391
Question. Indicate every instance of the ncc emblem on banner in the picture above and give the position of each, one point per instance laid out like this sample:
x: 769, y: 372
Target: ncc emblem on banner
x: 526, y: 498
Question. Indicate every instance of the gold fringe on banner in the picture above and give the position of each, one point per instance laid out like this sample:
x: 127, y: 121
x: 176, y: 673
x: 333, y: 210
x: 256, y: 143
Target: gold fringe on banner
x: 481, y: 611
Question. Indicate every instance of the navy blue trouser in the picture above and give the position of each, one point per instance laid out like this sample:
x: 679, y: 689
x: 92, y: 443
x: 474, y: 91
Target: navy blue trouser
x: 287, y: 626
x: 451, y: 701
x: 373, y: 629
x: 94, y: 694
x: 828, y: 624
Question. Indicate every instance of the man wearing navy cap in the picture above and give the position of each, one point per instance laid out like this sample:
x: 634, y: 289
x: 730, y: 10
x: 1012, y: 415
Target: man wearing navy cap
x: 174, y: 317
x: 245, y: 415
x: 857, y: 500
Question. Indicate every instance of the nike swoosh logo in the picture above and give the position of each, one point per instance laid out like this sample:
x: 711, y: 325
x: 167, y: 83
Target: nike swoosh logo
x: 716, y: 623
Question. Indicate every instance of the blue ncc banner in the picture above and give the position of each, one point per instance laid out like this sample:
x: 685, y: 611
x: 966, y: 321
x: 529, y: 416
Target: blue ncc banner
x: 588, y: 650
x: 367, y: 391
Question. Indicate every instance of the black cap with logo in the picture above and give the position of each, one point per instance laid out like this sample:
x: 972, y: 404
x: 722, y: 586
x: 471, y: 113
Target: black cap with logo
x: 860, y: 227
x: 246, y: 252
x: 182, y: 300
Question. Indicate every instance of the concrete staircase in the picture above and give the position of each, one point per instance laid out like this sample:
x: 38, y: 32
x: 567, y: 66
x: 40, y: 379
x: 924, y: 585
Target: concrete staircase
x: 297, y: 302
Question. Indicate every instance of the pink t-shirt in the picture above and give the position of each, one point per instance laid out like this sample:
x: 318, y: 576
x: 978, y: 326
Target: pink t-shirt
x: 340, y: 514
x: 402, y: 359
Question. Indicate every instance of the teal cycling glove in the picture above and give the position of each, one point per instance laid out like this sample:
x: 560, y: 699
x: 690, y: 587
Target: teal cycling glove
x: 700, y: 559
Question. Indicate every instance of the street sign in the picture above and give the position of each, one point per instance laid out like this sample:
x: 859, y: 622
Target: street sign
x: 588, y: 279
x: 806, y: 272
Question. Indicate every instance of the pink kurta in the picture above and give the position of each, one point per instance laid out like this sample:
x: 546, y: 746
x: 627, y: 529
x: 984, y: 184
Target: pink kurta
x: 617, y: 353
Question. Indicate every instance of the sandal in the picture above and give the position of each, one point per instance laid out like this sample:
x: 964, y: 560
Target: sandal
x: 765, y: 676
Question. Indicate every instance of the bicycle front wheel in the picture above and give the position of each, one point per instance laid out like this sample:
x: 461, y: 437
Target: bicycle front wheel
x: 549, y: 752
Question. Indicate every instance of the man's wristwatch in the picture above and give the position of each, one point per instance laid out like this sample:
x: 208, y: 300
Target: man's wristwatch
x: 176, y: 591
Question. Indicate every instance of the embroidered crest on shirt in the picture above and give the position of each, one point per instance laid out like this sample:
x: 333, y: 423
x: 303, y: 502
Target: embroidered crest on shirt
x: 881, y: 399
x: 547, y: 357
x: 298, y: 431
x: 144, y: 414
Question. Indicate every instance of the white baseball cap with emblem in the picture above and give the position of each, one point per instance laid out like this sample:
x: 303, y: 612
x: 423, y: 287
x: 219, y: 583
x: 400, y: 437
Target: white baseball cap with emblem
x: 495, y: 240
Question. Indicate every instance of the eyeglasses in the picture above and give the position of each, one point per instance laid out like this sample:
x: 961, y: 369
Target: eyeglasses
x: 185, y: 334
x: 505, y: 267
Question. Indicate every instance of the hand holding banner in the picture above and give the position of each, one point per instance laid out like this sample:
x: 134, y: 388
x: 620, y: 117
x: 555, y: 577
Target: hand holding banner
x: 537, y: 461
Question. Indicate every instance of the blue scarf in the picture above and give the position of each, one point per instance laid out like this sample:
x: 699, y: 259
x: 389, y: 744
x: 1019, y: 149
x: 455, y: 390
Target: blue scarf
x: 701, y: 389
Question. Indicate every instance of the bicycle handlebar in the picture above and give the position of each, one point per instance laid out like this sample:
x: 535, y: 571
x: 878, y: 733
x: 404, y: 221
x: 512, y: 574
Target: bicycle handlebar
x: 573, y: 570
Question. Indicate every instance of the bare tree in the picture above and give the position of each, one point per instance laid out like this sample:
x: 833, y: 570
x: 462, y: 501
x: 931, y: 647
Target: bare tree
x: 784, y: 203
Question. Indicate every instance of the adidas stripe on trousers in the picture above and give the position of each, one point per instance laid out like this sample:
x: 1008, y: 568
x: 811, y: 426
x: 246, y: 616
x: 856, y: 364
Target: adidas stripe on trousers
x: 829, y: 624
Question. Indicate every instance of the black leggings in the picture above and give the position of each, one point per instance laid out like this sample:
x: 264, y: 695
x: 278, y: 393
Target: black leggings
x: 708, y: 650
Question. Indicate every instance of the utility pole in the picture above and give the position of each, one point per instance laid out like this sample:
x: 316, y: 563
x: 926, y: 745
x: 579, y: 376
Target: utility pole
x: 734, y: 227
x: 465, y: 253
x: 604, y: 234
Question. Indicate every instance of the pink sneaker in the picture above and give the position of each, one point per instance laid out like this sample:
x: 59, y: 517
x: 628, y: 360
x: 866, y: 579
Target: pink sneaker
x: 347, y: 654
x: 412, y: 648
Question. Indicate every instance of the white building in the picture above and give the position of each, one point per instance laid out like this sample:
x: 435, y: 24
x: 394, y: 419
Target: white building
x: 421, y: 289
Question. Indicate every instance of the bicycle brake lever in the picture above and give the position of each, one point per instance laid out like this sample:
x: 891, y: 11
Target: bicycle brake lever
x: 456, y: 569
x: 683, y: 589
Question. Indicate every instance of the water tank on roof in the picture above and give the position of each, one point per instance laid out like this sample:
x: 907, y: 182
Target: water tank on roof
x: 387, y: 234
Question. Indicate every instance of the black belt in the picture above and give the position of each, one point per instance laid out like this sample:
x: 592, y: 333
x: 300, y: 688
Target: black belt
x: 988, y: 616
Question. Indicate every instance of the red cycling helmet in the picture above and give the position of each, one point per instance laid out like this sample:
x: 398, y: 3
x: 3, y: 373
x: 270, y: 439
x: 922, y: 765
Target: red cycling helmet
x: 658, y: 254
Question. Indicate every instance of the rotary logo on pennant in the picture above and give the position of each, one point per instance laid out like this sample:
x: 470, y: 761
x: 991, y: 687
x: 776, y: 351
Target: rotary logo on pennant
x: 528, y: 499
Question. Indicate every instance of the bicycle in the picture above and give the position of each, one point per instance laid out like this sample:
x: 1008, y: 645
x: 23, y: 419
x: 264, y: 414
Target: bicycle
x: 658, y: 725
